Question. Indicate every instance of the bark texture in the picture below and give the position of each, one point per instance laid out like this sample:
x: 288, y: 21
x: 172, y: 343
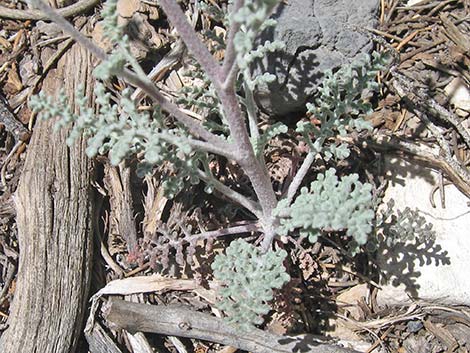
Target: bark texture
x: 176, y: 320
x: 54, y: 229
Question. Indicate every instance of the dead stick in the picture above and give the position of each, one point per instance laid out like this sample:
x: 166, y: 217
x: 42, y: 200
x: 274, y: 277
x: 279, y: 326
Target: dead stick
x: 176, y: 320
x: 11, y: 124
x: 69, y: 11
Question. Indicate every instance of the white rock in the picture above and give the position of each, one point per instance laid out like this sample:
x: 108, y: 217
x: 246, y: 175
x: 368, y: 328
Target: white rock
x: 438, y: 282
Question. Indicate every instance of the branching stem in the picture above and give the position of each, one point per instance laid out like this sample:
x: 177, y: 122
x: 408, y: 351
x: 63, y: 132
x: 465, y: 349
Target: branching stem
x: 212, y: 234
x: 246, y: 157
x: 230, y: 64
x: 240, y: 149
x: 238, y: 198
x: 141, y: 81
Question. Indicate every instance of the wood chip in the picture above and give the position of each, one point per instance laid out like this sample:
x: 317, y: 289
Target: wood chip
x: 147, y: 284
x: 127, y: 8
x: 350, y: 299
x: 414, y: 2
x: 14, y: 82
x: 5, y: 43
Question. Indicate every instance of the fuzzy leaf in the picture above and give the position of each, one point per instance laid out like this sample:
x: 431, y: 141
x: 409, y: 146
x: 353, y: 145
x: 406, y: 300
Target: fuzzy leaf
x: 249, y: 278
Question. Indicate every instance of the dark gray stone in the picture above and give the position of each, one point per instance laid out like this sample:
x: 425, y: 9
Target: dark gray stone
x: 318, y: 36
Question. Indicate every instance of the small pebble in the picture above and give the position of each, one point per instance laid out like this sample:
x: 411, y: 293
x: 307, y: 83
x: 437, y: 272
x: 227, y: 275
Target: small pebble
x: 414, y: 326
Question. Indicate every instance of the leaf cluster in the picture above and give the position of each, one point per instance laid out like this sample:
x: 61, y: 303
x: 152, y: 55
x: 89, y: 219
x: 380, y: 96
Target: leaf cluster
x: 341, y: 105
x: 123, y: 131
x: 248, y: 278
x: 330, y: 204
x: 176, y: 244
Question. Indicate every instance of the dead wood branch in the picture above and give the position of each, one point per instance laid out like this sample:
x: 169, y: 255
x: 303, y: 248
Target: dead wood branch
x: 122, y: 222
x: 417, y: 152
x: 69, y: 11
x: 11, y: 124
x: 176, y: 320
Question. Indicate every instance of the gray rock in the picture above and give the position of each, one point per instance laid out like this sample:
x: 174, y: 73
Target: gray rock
x: 318, y: 36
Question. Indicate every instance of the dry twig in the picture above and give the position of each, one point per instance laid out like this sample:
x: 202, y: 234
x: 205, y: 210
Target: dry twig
x: 69, y: 11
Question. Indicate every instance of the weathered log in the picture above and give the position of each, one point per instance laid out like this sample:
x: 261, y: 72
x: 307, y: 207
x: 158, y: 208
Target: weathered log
x: 176, y: 320
x: 53, y: 205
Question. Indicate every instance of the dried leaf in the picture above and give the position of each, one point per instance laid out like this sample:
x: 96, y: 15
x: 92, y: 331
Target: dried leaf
x: 151, y: 10
x: 307, y: 265
x: 442, y: 334
x: 154, y: 204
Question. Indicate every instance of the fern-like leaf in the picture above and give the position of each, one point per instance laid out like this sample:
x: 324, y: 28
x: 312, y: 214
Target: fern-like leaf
x: 248, y: 278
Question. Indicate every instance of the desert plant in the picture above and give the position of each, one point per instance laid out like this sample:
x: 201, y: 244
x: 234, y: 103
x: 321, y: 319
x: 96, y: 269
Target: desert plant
x: 249, y: 272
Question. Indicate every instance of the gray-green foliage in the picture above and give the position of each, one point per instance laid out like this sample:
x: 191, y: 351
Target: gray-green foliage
x: 119, y: 56
x: 203, y: 96
x: 330, y: 204
x: 248, y: 279
x: 121, y: 130
x: 340, y: 104
x: 253, y: 18
x: 271, y: 132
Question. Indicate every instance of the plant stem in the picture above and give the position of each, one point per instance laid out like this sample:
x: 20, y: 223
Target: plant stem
x: 243, y: 152
x: 238, y: 198
x: 299, y: 177
x: 177, y: 18
x: 143, y: 82
x: 246, y: 157
x: 195, y: 144
x: 251, y: 111
x: 193, y: 125
x: 212, y: 234
x: 55, y: 16
x: 230, y: 53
